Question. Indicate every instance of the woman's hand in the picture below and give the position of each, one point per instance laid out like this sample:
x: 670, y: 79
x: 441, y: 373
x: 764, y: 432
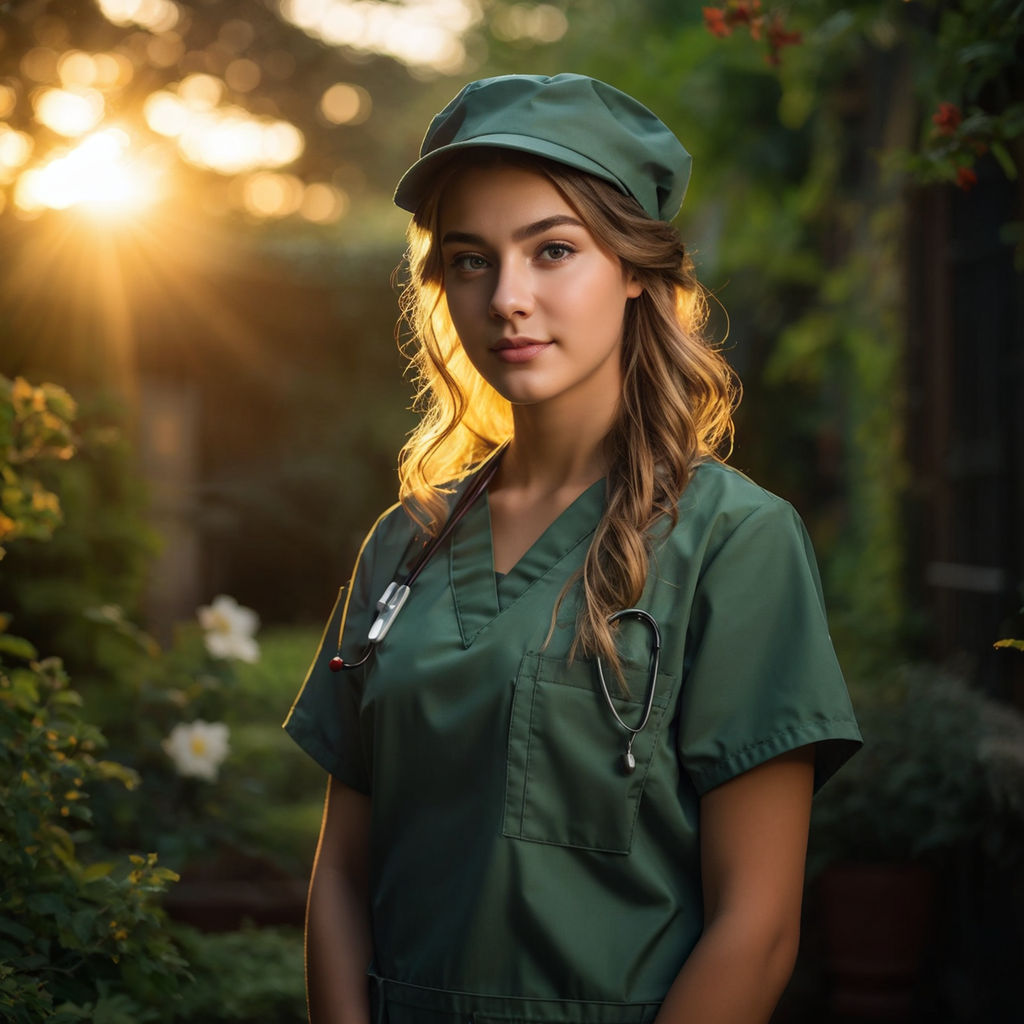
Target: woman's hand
x: 338, y: 942
x: 753, y: 849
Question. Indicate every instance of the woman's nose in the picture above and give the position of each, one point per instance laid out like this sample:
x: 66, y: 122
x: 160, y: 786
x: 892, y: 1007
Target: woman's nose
x: 512, y: 296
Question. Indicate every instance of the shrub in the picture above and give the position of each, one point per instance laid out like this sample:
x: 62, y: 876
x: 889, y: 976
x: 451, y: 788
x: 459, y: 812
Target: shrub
x: 80, y: 938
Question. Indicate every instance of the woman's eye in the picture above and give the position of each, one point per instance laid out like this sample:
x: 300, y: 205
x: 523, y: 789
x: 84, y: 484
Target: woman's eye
x: 469, y: 261
x: 555, y: 251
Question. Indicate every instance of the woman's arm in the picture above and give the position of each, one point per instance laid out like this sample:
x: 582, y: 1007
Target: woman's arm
x: 753, y: 848
x: 338, y: 942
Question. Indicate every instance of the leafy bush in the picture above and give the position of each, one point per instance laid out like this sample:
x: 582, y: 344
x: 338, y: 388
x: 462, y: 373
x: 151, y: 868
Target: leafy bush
x: 941, y: 773
x: 35, y: 424
x: 80, y: 939
x: 102, y: 552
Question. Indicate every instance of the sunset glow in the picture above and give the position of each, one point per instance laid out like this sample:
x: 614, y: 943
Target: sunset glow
x: 99, y: 172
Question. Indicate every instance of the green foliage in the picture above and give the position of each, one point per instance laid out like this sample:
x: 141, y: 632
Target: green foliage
x: 942, y: 771
x: 100, y: 555
x: 972, y: 64
x: 80, y: 938
x: 799, y: 237
x: 253, y: 975
x: 35, y: 425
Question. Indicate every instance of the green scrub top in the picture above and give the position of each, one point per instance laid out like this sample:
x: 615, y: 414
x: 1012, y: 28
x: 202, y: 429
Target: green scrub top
x: 517, y: 873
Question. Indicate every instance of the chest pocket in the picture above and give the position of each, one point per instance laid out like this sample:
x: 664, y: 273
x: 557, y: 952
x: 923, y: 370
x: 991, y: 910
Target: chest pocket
x: 565, y: 783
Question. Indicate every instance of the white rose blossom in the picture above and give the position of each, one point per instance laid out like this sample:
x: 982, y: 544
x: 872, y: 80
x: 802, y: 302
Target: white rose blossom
x: 230, y: 629
x: 198, y: 748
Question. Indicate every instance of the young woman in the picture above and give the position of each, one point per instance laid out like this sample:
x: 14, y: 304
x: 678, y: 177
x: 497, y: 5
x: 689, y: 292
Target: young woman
x: 571, y: 776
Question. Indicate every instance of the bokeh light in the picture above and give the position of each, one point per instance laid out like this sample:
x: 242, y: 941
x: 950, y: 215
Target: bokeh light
x: 155, y: 15
x: 272, y: 195
x: 236, y: 35
x: 8, y: 99
x: 243, y: 75
x: 15, y: 148
x: 269, y: 195
x: 540, y: 23
x: 76, y: 69
x: 226, y: 139
x: 323, y: 203
x: 79, y: 70
x: 112, y: 69
x: 425, y: 34
x: 165, y: 50
x: 69, y: 112
x: 100, y: 171
x: 343, y: 103
x: 201, y: 92
x: 40, y: 64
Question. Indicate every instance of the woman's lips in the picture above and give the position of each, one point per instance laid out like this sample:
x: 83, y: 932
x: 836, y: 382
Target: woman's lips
x: 519, y: 350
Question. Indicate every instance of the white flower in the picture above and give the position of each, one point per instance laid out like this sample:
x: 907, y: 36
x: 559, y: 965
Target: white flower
x: 198, y: 748
x: 230, y: 629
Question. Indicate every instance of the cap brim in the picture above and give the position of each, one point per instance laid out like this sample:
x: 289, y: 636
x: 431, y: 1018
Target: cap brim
x: 414, y: 183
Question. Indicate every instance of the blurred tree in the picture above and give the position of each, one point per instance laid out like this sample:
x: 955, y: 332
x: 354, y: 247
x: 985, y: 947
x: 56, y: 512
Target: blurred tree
x: 808, y: 125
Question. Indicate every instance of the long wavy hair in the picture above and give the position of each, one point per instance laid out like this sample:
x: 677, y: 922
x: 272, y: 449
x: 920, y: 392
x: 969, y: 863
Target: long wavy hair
x: 678, y: 392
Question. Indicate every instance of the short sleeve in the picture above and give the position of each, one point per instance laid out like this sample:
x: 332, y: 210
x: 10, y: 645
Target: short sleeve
x: 325, y: 718
x: 761, y: 676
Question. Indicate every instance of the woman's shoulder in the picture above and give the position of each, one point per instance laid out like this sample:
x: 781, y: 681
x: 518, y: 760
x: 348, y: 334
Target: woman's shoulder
x: 393, y: 528
x: 720, y: 500
x: 719, y: 489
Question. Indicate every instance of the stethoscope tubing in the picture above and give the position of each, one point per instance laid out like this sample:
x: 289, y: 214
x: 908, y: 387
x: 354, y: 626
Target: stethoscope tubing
x: 628, y: 760
x: 394, y: 597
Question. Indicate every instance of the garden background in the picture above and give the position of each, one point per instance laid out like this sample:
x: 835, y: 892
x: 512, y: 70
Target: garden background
x: 201, y: 401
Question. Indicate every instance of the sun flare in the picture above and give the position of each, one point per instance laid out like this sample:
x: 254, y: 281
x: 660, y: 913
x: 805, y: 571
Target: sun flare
x: 100, y: 173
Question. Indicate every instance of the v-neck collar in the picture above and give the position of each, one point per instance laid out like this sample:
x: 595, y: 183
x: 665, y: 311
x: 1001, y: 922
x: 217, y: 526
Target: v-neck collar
x: 479, y: 596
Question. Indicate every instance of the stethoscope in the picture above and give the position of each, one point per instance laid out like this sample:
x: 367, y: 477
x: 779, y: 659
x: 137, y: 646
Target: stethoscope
x: 394, y: 597
x: 628, y: 760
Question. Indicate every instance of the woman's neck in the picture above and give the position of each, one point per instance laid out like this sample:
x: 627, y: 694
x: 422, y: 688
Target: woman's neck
x: 550, y: 452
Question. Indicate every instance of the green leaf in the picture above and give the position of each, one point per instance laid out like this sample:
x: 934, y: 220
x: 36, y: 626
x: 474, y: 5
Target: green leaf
x: 33, y: 962
x: 83, y: 924
x: 980, y: 51
x: 46, y: 903
x: 17, y: 647
x: 94, y: 872
x: 1017, y: 645
x: 1002, y: 154
x: 15, y: 930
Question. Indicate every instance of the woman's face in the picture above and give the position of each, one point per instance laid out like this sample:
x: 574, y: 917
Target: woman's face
x: 537, y: 303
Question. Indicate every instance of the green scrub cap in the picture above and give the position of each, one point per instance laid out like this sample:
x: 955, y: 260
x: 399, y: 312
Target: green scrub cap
x: 571, y: 119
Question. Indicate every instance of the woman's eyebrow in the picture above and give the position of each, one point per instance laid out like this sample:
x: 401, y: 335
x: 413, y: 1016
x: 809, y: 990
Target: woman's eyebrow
x: 520, y: 234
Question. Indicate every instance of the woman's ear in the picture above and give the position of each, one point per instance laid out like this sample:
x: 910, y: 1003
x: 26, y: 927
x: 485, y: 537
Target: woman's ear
x: 633, y: 286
